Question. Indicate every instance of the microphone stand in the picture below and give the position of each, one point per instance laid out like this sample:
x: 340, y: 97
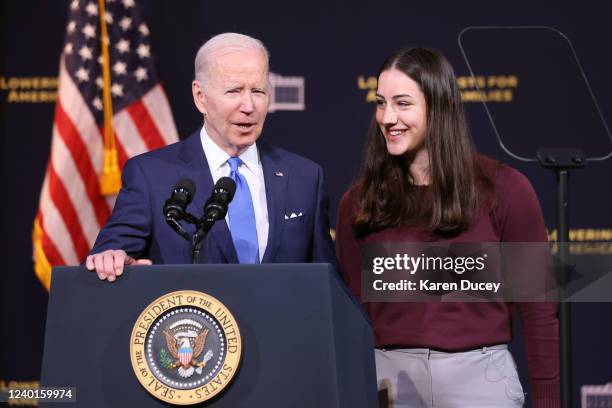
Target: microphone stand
x: 203, y: 225
x: 177, y: 227
x: 214, y: 210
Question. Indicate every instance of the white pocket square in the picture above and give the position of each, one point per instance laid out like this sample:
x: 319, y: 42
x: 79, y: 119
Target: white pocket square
x: 293, y: 215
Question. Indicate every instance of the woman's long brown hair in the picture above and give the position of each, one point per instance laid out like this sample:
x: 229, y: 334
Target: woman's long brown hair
x: 386, y: 194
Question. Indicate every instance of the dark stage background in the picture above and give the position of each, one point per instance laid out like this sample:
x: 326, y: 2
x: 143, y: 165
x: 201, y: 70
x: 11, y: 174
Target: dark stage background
x: 335, y: 46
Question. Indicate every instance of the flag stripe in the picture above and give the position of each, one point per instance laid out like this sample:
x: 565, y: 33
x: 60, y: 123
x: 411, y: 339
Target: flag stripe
x: 66, y: 209
x: 62, y: 161
x: 121, y: 153
x: 146, y: 127
x: 72, y: 139
x: 159, y: 110
x: 51, y: 252
x: 110, y: 201
x: 53, y: 225
x: 125, y: 129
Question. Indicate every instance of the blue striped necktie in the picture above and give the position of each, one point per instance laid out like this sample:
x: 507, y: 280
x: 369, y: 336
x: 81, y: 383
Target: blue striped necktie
x: 242, y: 217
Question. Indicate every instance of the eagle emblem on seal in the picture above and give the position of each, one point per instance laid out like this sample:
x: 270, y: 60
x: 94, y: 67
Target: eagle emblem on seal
x: 185, y: 342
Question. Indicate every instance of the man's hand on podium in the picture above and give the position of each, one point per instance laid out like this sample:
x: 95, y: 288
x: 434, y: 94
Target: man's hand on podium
x: 109, y: 264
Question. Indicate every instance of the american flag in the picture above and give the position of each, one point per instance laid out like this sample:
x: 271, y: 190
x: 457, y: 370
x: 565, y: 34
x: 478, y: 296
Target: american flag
x: 72, y: 208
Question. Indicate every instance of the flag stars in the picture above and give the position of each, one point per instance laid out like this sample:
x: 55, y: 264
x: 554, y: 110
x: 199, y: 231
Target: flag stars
x: 128, y: 3
x: 100, y: 59
x: 120, y: 68
x: 141, y: 74
x: 85, y: 53
x: 99, y: 82
x: 97, y: 103
x: 74, y: 5
x: 108, y: 16
x: 89, y: 31
x: 82, y: 74
x: 125, y: 23
x: 143, y: 51
x: 68, y: 48
x: 117, y: 89
x: 123, y: 46
x: 144, y: 30
x: 91, y: 9
x: 71, y: 27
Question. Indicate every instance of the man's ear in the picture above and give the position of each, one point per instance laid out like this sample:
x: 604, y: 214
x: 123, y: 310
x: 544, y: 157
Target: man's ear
x: 199, y: 99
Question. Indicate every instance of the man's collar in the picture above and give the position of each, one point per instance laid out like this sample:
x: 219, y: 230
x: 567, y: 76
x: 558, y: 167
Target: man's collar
x: 217, y: 157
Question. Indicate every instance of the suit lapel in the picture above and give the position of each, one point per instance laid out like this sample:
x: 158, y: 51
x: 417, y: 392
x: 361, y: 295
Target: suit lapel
x: 275, y: 178
x: 192, y: 154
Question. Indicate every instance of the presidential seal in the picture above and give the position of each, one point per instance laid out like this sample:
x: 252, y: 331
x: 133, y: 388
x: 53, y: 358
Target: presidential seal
x: 185, y: 347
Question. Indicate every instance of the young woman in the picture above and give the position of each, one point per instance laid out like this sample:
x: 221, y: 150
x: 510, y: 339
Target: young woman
x: 422, y: 181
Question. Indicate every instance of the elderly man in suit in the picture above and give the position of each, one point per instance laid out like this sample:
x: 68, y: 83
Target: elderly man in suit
x: 279, y: 212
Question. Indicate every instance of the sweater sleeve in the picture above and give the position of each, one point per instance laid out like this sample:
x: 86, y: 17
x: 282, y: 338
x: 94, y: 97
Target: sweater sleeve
x: 520, y: 219
x: 347, y: 246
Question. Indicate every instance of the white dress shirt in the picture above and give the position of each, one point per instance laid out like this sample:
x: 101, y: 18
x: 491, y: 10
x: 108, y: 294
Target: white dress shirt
x: 252, y: 171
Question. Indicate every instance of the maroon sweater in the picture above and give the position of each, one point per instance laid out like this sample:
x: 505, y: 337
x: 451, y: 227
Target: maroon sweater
x: 516, y: 217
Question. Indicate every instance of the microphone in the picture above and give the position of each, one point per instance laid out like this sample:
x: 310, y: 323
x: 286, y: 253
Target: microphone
x: 175, y: 207
x: 214, y: 210
x: 216, y: 206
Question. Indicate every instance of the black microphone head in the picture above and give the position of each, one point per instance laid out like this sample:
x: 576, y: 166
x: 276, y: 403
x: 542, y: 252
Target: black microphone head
x: 187, y: 186
x: 176, y: 206
x: 227, y: 184
x: 215, y: 207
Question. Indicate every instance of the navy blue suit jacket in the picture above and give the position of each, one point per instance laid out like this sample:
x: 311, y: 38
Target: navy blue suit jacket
x: 293, y: 185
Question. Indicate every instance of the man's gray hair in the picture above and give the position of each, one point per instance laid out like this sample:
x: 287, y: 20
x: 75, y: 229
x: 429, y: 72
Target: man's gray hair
x: 226, y: 42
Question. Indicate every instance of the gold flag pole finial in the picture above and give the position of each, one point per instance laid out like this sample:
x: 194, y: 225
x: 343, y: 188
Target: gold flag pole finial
x: 110, y: 179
